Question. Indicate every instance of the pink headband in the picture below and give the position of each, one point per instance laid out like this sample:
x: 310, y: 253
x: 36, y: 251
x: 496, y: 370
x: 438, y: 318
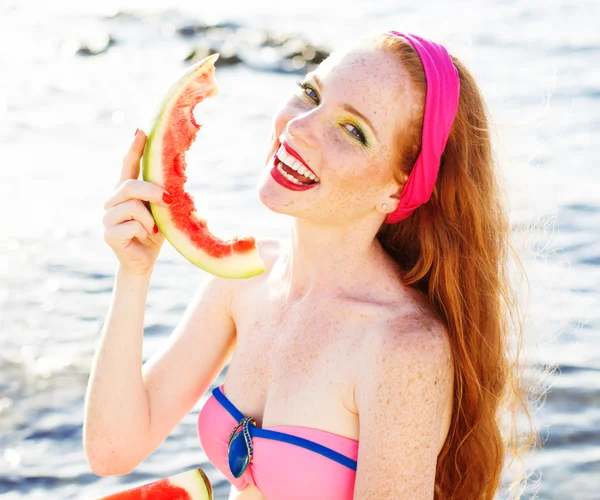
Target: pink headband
x: 441, y: 104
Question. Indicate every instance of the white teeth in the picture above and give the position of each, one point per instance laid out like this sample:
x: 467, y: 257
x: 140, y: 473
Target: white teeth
x: 295, y: 164
x: 288, y: 176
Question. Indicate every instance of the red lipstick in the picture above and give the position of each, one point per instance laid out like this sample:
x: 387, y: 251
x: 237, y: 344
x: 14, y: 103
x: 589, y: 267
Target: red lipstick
x: 280, y: 178
x: 296, y: 155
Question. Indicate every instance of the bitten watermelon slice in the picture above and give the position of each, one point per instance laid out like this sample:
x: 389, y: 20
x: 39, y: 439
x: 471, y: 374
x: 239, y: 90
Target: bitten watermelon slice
x: 190, y: 485
x: 172, y: 132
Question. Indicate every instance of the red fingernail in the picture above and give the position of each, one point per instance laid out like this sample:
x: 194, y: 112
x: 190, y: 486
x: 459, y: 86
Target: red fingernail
x: 155, y: 230
x: 167, y: 198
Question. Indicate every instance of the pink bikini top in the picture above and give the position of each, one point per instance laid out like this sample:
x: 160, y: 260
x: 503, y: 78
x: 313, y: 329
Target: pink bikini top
x: 289, y: 461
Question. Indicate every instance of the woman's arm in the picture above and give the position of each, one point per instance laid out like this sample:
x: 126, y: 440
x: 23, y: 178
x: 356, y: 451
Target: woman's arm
x: 130, y: 410
x: 402, y: 390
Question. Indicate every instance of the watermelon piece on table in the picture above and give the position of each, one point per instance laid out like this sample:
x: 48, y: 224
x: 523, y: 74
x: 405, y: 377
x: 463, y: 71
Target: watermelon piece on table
x: 189, y: 485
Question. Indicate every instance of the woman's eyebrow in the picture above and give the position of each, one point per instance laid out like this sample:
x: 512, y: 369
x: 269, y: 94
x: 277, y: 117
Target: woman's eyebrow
x: 348, y: 107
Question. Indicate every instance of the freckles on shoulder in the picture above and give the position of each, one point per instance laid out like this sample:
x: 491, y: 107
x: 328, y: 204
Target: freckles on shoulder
x: 401, y: 396
x: 409, y: 356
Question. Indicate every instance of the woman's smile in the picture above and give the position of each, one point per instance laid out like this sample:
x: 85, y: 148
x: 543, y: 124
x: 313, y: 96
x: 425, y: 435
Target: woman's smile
x: 289, y: 178
x: 293, y: 165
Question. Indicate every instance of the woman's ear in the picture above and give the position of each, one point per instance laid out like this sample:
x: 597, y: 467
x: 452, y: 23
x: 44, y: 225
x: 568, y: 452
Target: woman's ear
x: 389, y: 205
x: 394, y: 198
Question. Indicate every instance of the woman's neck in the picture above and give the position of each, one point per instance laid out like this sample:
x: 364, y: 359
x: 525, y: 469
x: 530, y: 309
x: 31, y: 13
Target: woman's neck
x: 331, y: 260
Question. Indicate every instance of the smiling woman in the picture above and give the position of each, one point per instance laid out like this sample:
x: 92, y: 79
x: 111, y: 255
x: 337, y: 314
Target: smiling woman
x: 370, y: 359
x: 395, y: 131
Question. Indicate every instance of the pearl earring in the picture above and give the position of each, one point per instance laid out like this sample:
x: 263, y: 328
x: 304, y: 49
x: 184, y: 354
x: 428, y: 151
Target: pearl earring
x: 384, y: 206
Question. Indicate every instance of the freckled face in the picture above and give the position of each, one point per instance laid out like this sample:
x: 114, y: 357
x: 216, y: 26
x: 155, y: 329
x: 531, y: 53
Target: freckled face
x: 343, y: 120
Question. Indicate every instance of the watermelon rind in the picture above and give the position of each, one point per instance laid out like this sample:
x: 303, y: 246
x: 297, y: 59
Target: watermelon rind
x: 236, y: 265
x: 195, y: 482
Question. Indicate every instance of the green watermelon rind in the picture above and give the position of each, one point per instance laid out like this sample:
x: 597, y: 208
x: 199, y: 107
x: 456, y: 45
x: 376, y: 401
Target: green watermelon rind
x: 240, y: 265
x: 195, y: 482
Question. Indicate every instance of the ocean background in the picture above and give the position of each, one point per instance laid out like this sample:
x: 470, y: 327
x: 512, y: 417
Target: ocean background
x: 67, y: 119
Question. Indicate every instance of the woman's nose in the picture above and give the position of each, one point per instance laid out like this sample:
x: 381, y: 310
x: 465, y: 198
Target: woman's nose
x: 304, y: 127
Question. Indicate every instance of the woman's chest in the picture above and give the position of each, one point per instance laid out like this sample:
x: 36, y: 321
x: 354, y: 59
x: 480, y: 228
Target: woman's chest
x: 296, y: 364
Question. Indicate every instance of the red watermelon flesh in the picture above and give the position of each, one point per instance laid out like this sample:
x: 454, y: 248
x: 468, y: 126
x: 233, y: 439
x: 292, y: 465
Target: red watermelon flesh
x: 190, y: 485
x: 160, y: 490
x: 172, y: 133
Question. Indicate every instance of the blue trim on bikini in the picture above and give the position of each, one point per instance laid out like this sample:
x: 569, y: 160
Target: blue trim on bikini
x: 281, y: 436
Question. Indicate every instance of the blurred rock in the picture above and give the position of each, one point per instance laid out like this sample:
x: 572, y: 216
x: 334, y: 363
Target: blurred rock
x: 95, y: 45
x: 120, y: 15
x: 315, y: 55
x: 265, y: 50
x: 274, y: 39
x: 227, y: 55
x: 228, y: 59
x: 306, y: 59
x: 280, y: 52
x: 219, y: 30
x: 228, y: 25
x: 192, y: 30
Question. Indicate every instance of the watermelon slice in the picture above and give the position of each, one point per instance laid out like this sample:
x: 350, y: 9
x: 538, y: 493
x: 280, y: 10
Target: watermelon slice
x: 172, y: 132
x: 190, y: 485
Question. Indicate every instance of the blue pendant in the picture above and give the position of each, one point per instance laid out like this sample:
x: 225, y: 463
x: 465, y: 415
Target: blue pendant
x: 238, y: 455
x: 240, y: 449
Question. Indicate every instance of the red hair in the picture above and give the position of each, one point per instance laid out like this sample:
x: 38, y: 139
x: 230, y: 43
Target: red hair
x: 456, y: 249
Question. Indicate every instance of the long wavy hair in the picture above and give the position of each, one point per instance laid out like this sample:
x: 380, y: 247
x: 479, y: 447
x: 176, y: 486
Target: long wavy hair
x: 456, y: 249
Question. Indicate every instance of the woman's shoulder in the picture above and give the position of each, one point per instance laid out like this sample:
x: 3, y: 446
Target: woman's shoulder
x: 409, y: 319
x: 238, y: 290
x: 409, y: 336
x: 269, y: 250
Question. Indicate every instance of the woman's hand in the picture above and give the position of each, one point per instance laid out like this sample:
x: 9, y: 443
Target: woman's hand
x: 129, y: 227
